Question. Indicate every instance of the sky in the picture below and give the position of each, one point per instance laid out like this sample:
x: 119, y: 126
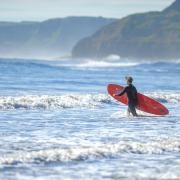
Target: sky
x: 39, y: 10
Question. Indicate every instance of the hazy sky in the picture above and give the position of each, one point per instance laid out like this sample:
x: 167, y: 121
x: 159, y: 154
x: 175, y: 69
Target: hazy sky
x: 17, y: 10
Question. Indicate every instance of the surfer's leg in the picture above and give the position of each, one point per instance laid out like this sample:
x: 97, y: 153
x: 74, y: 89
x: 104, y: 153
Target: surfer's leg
x: 128, y: 112
x: 132, y: 109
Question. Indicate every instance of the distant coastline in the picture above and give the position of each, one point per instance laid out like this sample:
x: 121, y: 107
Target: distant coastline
x: 152, y: 36
x: 47, y: 39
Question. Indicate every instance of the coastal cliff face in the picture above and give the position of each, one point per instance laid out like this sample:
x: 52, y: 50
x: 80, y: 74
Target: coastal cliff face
x: 52, y: 37
x: 153, y: 35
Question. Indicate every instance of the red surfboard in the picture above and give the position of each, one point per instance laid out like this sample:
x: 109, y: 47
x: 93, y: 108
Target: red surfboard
x: 145, y: 103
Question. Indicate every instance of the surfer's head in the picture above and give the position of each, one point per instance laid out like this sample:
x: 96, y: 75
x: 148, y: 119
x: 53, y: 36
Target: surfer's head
x: 129, y: 79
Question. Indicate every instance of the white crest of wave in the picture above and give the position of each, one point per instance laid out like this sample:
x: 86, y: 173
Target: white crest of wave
x: 113, y: 57
x: 103, y: 64
x: 72, y: 100
x: 83, y: 153
x: 165, y: 97
x: 45, y: 101
x: 110, y: 61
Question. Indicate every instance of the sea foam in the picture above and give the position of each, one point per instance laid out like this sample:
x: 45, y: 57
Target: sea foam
x: 72, y: 101
x: 46, y: 101
x: 94, y: 152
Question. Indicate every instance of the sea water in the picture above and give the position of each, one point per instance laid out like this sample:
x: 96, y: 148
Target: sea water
x: 58, y: 122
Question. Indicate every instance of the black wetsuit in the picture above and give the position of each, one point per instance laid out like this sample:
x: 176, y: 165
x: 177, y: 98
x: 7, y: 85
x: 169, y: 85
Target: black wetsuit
x: 131, y: 92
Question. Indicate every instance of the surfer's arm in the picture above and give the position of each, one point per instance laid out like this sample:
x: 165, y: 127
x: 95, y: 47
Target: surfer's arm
x: 121, y: 93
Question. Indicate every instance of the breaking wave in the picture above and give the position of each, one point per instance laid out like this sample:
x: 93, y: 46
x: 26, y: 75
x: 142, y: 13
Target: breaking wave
x: 112, y: 61
x: 104, y: 64
x: 165, y: 97
x: 71, y: 101
x: 46, y: 102
x: 85, y: 153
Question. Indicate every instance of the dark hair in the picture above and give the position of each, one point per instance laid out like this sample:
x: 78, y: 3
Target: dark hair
x: 129, y: 79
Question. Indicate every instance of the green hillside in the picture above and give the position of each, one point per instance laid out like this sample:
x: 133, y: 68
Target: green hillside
x: 153, y: 35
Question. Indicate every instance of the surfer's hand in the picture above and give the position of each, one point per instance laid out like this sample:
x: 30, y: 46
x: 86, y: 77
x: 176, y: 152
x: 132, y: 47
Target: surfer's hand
x: 114, y: 95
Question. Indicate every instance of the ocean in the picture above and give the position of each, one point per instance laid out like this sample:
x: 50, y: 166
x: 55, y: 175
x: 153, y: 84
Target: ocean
x: 58, y: 122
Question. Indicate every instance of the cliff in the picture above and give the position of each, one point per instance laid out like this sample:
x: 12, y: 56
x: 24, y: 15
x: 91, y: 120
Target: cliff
x: 52, y: 37
x: 152, y: 35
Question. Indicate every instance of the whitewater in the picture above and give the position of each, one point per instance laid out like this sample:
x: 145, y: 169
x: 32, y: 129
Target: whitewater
x: 58, y: 122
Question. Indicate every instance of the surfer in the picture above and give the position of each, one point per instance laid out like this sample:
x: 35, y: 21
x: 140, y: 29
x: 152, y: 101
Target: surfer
x: 131, y: 92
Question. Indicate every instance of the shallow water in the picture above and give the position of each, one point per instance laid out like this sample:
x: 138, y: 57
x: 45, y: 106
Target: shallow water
x: 58, y: 122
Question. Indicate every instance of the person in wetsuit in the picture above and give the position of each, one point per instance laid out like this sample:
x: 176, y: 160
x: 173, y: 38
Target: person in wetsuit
x: 131, y: 92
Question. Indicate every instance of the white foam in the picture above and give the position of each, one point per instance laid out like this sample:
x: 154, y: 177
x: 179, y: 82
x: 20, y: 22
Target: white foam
x: 103, y: 64
x: 72, y: 100
x: 108, y: 62
x: 82, y: 153
x: 113, y: 57
x: 46, y: 102
x: 165, y: 96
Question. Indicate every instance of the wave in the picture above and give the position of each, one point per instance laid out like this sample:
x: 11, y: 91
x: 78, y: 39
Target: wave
x: 97, y: 64
x: 47, y: 102
x: 72, y: 101
x: 85, y: 153
x: 165, y: 97
x: 112, y: 61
